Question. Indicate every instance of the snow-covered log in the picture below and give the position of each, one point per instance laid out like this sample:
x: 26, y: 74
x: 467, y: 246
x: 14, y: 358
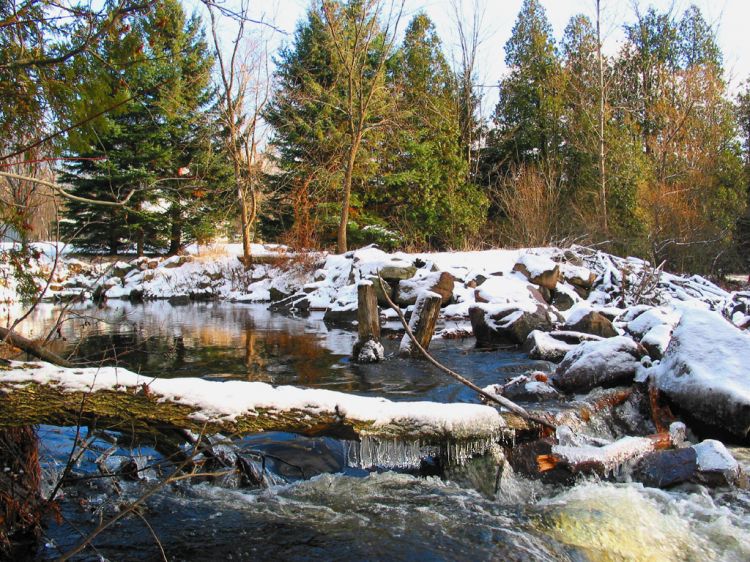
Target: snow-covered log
x: 33, y: 393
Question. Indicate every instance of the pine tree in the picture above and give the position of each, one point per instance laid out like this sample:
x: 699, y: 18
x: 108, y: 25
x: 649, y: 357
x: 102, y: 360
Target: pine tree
x: 426, y: 193
x: 142, y: 146
x: 528, y: 112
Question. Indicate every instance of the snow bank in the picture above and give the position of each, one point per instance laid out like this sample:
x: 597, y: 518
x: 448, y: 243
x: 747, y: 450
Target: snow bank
x: 706, y: 371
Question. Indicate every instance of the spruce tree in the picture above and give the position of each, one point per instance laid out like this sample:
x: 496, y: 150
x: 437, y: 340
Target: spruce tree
x: 426, y: 194
x: 527, y: 116
x: 141, y: 148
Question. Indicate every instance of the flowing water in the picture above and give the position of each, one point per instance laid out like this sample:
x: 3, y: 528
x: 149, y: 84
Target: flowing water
x: 318, y: 502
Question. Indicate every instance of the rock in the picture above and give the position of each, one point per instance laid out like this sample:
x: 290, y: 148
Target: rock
x: 608, y: 362
x: 379, y: 290
x: 578, y: 276
x: 296, y: 303
x: 716, y: 465
x: 136, y: 296
x: 340, y: 316
x: 393, y: 272
x: 594, y: 323
x: 562, y: 300
x: 705, y: 371
x: 178, y: 300
x: 369, y: 352
x: 510, y: 324
x: 539, y: 270
x: 662, y: 469
x: 121, y: 269
x: 532, y: 387
x: 176, y: 261
x: 553, y: 346
x: 277, y: 294
x: 441, y: 283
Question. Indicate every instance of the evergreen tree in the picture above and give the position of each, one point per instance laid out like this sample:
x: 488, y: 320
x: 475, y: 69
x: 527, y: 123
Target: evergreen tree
x: 528, y: 112
x: 696, y: 41
x: 426, y: 193
x: 142, y: 147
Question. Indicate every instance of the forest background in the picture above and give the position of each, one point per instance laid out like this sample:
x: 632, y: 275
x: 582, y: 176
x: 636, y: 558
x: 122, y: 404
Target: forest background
x: 140, y: 126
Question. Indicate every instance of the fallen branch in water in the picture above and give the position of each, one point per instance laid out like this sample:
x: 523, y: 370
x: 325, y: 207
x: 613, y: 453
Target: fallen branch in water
x: 500, y: 400
x: 32, y: 348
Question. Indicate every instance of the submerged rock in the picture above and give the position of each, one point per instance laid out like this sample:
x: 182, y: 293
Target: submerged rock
x: 662, y: 469
x: 706, y: 371
x: 608, y: 362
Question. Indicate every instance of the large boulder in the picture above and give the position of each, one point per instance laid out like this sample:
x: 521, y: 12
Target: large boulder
x: 539, y: 270
x: 441, y: 283
x: 508, y: 324
x: 394, y: 272
x: 607, y: 362
x: 706, y: 371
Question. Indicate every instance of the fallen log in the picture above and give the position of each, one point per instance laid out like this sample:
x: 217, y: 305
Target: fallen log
x: 33, y: 393
x: 32, y: 348
x: 590, y: 458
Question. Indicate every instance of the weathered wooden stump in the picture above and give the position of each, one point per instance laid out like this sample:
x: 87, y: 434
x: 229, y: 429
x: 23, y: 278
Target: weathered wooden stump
x: 368, y: 348
x: 422, y: 324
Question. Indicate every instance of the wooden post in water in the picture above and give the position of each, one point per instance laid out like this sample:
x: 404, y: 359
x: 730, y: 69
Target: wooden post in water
x: 422, y: 323
x: 368, y: 348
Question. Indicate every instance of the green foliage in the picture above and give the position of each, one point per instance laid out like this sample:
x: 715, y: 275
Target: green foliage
x: 142, y: 146
x: 527, y: 116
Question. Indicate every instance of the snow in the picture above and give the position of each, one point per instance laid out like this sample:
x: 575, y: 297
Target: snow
x: 513, y: 290
x: 220, y: 401
x: 712, y: 456
x: 706, y: 370
x: 536, y: 265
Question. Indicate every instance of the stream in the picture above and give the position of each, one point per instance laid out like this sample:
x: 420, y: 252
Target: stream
x: 319, y: 504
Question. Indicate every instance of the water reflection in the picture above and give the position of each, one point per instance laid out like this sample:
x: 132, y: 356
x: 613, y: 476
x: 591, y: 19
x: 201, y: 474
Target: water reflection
x: 224, y: 340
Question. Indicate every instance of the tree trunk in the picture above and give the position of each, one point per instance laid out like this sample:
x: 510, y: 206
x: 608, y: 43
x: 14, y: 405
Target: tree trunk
x: 32, y: 348
x: 21, y: 502
x: 422, y: 324
x: 341, y: 246
x: 368, y: 325
x: 602, y: 170
x: 175, y: 233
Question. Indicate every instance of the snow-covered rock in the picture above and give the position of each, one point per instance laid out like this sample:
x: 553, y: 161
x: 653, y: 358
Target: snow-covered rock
x: 540, y: 270
x: 553, y: 346
x: 440, y: 282
x: 706, y: 371
x: 593, y: 322
x: 508, y: 324
x: 606, y: 362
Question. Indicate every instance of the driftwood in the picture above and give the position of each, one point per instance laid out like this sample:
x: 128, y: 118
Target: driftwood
x: 500, y: 400
x: 422, y: 324
x: 588, y: 458
x: 32, y: 348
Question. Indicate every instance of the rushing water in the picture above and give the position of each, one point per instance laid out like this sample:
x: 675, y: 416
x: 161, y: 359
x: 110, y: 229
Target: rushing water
x: 318, y: 503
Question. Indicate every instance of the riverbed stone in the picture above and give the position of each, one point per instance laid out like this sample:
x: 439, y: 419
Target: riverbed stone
x: 607, y: 362
x: 662, y: 469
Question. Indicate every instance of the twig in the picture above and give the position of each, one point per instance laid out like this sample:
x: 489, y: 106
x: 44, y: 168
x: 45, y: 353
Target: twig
x: 502, y: 401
